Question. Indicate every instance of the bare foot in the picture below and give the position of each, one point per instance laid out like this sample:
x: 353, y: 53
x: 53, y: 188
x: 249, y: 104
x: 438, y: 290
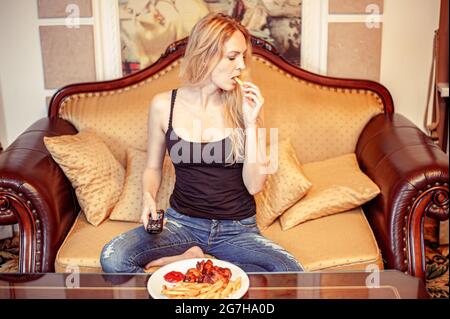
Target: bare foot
x: 193, y: 252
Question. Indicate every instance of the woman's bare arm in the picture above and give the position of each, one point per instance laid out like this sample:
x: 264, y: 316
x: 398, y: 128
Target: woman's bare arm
x: 156, y: 146
x: 254, y: 172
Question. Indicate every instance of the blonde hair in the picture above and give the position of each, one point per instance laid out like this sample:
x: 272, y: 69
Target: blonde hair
x: 204, y: 50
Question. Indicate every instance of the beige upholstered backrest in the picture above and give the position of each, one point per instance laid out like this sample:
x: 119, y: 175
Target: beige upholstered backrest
x: 322, y: 122
x: 119, y: 117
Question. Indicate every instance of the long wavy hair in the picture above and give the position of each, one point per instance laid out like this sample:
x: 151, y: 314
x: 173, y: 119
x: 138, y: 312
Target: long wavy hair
x: 203, y: 52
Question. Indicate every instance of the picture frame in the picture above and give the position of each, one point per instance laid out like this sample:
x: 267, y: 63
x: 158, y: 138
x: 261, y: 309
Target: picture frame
x: 147, y: 27
x: 312, y: 54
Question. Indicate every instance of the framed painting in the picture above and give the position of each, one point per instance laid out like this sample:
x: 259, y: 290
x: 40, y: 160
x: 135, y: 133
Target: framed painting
x: 131, y: 34
x: 147, y: 27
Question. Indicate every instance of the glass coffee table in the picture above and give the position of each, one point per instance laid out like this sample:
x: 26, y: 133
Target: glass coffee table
x: 388, y: 284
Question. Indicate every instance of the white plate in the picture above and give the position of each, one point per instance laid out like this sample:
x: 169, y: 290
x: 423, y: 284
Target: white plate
x: 156, y: 281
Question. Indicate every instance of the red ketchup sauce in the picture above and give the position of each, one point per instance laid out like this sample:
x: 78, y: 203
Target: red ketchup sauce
x: 174, y: 276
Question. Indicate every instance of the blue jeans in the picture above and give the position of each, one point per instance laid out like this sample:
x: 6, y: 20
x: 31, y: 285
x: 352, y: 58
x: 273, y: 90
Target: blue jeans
x: 236, y: 241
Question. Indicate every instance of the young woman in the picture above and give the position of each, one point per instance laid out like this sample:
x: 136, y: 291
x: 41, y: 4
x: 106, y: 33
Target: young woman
x: 209, y: 127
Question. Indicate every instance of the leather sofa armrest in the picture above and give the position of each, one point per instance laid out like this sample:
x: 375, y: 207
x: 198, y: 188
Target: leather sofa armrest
x: 35, y: 193
x: 412, y: 173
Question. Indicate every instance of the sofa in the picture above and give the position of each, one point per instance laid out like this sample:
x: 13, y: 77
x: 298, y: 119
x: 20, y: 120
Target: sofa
x: 324, y: 117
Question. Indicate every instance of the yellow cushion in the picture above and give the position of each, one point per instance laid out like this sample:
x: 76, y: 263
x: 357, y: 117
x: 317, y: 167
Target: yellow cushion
x: 84, y: 243
x: 342, y: 241
x: 95, y: 174
x: 338, y: 185
x: 129, y: 206
x: 283, y: 188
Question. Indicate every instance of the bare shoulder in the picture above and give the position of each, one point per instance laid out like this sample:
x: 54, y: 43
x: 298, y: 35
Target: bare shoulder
x: 161, y: 101
x: 160, y: 109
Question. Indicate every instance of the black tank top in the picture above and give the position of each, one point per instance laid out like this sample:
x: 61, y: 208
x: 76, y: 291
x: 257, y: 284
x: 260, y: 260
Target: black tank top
x: 207, y: 185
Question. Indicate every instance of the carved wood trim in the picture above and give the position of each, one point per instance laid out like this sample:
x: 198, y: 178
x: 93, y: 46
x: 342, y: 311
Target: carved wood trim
x: 15, y: 204
x: 260, y: 48
x: 433, y: 203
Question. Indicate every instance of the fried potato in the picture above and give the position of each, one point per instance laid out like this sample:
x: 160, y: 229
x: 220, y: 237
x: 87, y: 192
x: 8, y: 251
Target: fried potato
x: 180, y: 291
x: 186, y: 290
x: 239, y: 81
x: 227, y: 291
x: 237, y: 284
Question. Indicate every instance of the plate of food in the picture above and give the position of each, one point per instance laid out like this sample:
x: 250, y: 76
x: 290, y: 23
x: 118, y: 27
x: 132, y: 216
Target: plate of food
x: 198, y: 278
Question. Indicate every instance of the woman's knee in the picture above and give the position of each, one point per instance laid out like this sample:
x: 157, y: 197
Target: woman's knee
x: 279, y: 260
x: 108, y: 260
x: 113, y: 258
x: 270, y: 265
x: 273, y: 257
x: 283, y: 261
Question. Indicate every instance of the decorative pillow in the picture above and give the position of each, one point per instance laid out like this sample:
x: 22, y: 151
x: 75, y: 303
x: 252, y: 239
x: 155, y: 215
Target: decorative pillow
x: 95, y: 174
x: 283, y: 188
x: 338, y: 185
x: 129, y: 206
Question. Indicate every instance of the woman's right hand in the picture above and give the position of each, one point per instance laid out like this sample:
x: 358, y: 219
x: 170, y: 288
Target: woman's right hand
x: 148, y: 207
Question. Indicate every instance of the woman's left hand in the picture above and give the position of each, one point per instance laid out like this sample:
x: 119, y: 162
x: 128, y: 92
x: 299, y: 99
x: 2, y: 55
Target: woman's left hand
x: 251, y: 104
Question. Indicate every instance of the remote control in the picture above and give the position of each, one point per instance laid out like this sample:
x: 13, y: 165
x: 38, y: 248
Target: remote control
x: 155, y: 226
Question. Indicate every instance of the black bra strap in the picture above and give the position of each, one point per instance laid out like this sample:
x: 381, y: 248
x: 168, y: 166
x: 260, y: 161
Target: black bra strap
x: 172, y: 103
